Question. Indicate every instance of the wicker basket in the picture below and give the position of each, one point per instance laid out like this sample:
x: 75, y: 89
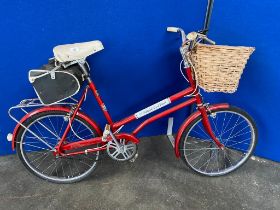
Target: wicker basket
x: 218, y: 68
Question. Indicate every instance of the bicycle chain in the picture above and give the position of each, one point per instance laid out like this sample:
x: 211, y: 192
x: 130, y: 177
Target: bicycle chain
x: 101, y: 157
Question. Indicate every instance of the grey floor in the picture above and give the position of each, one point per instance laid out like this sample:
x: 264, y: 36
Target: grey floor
x: 157, y: 180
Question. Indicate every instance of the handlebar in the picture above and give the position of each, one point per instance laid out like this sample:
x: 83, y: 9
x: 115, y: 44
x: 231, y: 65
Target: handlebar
x: 191, y: 37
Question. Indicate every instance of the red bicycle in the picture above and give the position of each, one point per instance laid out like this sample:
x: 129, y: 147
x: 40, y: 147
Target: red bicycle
x: 61, y: 144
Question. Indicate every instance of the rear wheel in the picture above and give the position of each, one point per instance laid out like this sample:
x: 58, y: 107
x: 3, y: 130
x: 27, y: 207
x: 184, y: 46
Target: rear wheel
x: 234, y: 128
x: 38, y: 156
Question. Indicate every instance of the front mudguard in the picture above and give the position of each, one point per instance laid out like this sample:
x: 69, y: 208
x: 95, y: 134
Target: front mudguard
x: 52, y: 108
x: 189, y: 120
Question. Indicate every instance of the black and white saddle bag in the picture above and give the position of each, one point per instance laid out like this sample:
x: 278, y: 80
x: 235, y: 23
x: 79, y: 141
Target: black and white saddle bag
x: 56, y: 83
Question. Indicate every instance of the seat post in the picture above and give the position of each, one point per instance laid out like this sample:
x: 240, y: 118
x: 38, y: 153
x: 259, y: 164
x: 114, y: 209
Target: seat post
x: 82, y: 64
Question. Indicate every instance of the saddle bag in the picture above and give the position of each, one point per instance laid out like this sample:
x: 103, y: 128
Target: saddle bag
x: 56, y: 83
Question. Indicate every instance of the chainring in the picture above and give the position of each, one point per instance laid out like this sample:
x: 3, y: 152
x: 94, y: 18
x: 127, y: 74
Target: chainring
x: 125, y: 151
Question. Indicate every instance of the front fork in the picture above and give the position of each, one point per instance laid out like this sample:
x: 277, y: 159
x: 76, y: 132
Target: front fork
x: 202, y: 108
x: 207, y: 126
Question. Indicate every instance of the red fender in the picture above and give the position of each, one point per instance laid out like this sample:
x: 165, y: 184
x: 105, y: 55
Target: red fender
x: 54, y: 108
x: 188, y: 121
x: 127, y: 136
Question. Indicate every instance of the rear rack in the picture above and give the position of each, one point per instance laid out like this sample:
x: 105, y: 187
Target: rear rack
x: 27, y: 105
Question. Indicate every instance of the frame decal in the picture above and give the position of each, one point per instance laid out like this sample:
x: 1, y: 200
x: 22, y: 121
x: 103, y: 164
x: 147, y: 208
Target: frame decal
x: 152, y: 108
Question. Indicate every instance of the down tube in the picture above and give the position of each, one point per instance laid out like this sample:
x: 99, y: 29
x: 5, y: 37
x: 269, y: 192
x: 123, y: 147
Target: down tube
x: 171, y: 99
x: 163, y: 114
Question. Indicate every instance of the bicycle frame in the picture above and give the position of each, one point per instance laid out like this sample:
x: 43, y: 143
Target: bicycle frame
x: 195, y: 99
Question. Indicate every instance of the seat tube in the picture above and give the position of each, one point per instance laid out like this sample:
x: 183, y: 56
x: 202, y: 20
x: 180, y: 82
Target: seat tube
x: 99, y: 101
x: 71, y: 119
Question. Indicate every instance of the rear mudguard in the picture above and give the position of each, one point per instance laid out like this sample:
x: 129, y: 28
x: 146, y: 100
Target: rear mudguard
x: 188, y: 121
x: 53, y: 108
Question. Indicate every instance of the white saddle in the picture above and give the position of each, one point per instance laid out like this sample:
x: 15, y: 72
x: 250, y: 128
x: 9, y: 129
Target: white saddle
x: 77, y: 51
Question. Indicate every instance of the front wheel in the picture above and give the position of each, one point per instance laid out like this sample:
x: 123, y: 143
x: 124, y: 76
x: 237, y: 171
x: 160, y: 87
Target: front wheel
x: 234, y: 128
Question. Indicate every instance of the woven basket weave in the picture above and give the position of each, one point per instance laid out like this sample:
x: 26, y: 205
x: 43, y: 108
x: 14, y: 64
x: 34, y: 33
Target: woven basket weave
x: 218, y: 68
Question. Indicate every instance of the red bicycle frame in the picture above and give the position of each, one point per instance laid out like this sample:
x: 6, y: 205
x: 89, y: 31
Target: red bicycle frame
x: 192, y: 90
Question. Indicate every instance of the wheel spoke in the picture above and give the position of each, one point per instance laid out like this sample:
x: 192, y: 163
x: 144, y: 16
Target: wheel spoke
x: 209, y: 162
x: 42, y: 160
x: 199, y: 156
x: 36, y: 146
x: 53, y: 127
x: 227, y: 123
x: 222, y: 129
x: 203, y: 131
x: 215, y: 126
x: 200, y: 133
x: 48, y: 129
x: 70, y: 168
x: 238, y: 142
x: 71, y: 137
x: 202, y: 149
x: 38, y: 157
x: 63, y: 121
x: 238, y: 135
x: 39, y: 138
x: 234, y: 126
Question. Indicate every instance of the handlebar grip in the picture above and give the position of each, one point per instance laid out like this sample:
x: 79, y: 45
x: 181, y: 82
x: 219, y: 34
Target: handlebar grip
x: 172, y: 29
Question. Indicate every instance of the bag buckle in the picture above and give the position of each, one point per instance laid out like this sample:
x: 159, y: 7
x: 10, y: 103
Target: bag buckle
x: 52, y: 72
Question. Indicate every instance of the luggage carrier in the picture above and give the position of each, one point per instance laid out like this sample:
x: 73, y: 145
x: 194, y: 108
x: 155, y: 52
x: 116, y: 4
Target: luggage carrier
x: 27, y: 105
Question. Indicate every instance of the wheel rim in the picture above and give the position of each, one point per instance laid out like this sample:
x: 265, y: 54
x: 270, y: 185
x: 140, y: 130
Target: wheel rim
x: 41, y: 159
x: 235, y: 132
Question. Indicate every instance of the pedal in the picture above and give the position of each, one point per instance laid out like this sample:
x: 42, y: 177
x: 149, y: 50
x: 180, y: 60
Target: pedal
x: 106, y: 132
